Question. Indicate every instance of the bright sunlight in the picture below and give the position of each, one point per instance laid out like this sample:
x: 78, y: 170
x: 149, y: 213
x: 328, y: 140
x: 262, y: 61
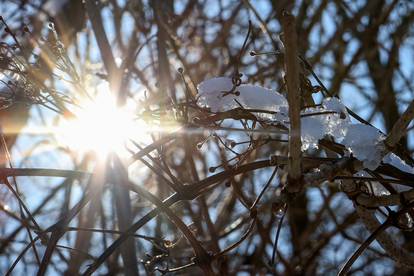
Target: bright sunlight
x: 101, y: 126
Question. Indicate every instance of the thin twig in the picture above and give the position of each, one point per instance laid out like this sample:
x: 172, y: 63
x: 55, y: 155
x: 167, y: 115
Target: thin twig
x: 279, y: 227
x: 363, y: 246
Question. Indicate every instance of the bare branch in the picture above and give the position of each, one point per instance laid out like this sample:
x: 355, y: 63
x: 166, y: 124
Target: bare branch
x: 292, y: 81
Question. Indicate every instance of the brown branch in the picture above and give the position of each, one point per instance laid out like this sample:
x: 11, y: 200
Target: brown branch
x: 94, y: 11
x: 117, y: 175
x: 386, y: 241
x: 203, y: 259
x: 8, y: 172
x: 364, y: 246
x: 400, y: 127
x: 292, y: 80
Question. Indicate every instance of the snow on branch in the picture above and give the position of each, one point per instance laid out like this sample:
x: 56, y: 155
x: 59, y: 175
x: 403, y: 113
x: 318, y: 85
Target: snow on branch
x: 329, y: 119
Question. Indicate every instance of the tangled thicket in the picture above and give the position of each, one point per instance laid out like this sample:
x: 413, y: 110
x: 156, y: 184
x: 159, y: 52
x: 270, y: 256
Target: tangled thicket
x: 236, y: 177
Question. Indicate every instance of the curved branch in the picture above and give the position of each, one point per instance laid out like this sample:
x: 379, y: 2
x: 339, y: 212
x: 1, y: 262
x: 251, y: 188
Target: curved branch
x: 398, y: 254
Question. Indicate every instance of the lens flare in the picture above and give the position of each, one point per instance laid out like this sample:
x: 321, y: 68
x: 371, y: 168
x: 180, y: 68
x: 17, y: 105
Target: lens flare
x: 99, y: 125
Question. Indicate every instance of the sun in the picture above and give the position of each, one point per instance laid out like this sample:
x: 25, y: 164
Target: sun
x: 100, y: 126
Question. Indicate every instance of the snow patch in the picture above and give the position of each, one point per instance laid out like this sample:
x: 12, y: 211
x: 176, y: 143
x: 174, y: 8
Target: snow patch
x: 213, y: 94
x: 397, y: 162
x: 365, y: 143
x: 329, y: 119
x: 312, y: 129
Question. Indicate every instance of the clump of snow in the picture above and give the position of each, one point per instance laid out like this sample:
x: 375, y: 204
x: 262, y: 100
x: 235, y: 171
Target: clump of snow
x: 396, y: 161
x: 335, y: 104
x: 329, y: 119
x: 312, y: 129
x: 365, y: 143
x: 213, y: 94
x: 338, y: 122
x: 282, y: 116
x: 210, y: 94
